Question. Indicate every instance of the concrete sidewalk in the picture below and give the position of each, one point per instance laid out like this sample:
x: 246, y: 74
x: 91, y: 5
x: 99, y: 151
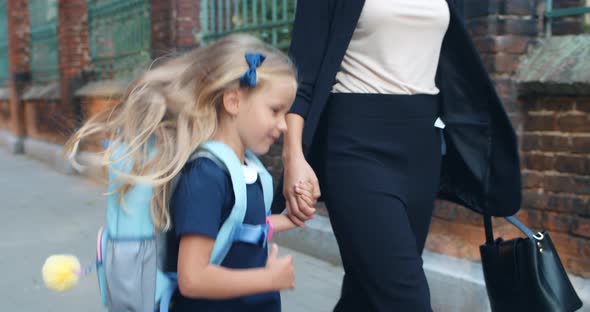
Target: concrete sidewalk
x: 45, y: 212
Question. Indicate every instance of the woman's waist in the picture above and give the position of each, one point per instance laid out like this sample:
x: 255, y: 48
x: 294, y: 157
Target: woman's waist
x: 396, y: 106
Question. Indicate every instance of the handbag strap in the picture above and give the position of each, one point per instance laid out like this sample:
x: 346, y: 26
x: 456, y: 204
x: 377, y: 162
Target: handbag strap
x: 523, y: 228
x: 487, y: 221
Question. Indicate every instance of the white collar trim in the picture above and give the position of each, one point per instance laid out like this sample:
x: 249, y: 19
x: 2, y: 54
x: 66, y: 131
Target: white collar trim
x: 250, y: 171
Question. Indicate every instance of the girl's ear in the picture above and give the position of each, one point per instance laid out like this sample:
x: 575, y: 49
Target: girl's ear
x: 231, y: 102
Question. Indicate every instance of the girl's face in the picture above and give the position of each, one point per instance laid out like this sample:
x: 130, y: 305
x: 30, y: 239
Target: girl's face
x: 261, y: 117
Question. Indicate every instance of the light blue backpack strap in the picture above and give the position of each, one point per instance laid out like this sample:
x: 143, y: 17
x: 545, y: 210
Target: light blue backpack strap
x: 163, y: 283
x: 101, y: 242
x: 166, y: 297
x: 265, y: 179
x: 225, y: 236
x: 257, y: 234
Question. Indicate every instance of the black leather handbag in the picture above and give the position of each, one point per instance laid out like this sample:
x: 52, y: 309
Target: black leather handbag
x: 525, y: 274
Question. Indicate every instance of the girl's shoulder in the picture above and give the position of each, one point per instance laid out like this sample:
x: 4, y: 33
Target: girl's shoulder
x: 206, y: 172
x: 202, y: 200
x: 204, y: 165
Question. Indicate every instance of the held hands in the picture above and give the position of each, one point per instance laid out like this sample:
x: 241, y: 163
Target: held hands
x: 304, y: 193
x: 301, y: 190
x: 280, y: 269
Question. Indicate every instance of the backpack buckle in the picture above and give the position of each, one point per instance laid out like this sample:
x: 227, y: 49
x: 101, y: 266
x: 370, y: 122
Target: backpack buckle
x: 252, y: 234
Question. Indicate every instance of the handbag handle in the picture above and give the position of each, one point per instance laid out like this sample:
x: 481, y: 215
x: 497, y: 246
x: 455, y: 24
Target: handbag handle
x: 487, y: 221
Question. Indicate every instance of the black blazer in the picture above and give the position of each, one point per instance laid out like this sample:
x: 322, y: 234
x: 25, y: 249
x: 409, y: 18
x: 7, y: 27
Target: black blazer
x: 481, y: 169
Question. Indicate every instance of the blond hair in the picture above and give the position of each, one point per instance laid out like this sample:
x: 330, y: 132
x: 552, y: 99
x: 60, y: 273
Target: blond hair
x: 175, y: 106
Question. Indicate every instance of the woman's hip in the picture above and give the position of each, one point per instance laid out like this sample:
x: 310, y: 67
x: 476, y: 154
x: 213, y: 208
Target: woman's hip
x: 395, y: 132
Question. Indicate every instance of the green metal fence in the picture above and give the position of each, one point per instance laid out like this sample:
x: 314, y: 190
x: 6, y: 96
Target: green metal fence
x: 270, y: 20
x: 44, y: 46
x: 4, y: 73
x: 551, y: 13
x: 120, y: 36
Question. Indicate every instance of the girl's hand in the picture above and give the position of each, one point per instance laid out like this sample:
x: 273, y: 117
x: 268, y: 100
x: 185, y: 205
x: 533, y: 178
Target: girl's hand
x: 297, y: 169
x: 304, y: 191
x: 280, y: 269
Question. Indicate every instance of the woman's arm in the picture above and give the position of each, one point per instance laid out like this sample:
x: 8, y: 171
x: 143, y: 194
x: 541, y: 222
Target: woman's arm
x: 309, y: 40
x: 197, y: 278
x: 460, y: 9
x: 296, y: 169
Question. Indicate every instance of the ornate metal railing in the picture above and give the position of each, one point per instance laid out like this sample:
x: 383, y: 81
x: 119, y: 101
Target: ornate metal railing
x: 120, y: 37
x: 44, y: 43
x: 551, y: 13
x: 271, y: 20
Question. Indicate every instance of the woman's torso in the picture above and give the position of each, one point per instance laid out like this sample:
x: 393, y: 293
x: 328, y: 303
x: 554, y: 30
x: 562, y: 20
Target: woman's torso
x: 395, y: 48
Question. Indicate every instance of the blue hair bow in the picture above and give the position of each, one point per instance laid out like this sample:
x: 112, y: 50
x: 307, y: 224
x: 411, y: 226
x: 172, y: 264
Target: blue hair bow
x: 254, y: 60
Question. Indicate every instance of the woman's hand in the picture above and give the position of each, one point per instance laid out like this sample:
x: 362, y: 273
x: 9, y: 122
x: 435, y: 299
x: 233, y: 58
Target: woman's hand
x: 298, y: 171
x: 305, y: 191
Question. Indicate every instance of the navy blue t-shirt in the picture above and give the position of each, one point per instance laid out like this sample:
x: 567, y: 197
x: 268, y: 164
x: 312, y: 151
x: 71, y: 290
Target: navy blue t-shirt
x: 201, y: 203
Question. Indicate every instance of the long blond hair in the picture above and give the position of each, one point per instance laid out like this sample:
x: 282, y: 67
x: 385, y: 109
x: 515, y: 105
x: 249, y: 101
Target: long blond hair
x: 174, y: 106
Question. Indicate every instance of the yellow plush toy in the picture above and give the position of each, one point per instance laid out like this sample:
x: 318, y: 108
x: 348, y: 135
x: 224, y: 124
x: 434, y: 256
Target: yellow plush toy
x: 61, y: 272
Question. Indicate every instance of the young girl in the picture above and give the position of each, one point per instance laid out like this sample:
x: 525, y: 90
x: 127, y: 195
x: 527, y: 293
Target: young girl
x: 255, y: 95
x: 236, y: 91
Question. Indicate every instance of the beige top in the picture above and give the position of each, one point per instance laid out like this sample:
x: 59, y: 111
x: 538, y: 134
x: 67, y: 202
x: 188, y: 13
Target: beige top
x: 395, y: 48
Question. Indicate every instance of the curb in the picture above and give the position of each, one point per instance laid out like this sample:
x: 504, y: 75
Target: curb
x: 49, y: 153
x: 13, y: 144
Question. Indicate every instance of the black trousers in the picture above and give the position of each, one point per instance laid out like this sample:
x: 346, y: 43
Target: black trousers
x: 381, y: 157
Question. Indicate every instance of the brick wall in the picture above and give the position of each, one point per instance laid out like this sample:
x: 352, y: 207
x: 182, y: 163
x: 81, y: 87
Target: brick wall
x: 162, y: 27
x: 172, y: 25
x: 187, y: 13
x: 48, y: 120
x: 502, y: 31
x: 18, y: 36
x: 556, y: 174
x: 5, y: 114
x: 554, y: 135
x: 74, y: 59
x: 19, y: 52
x: 74, y: 51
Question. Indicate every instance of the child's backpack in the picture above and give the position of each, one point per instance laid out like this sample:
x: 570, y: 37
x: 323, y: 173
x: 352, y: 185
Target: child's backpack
x: 129, y: 253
